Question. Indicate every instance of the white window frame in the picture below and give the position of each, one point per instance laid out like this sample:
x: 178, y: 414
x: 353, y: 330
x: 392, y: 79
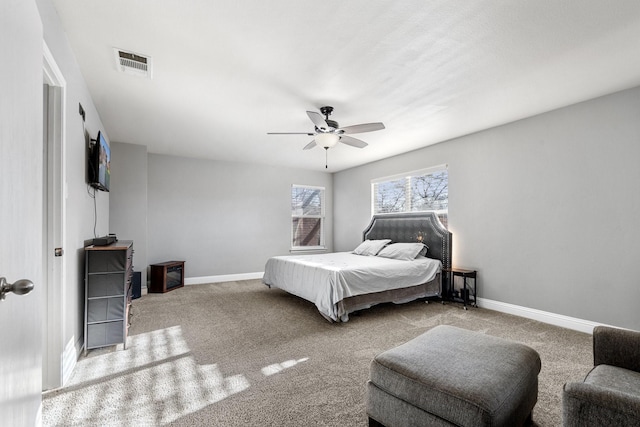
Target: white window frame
x: 407, y: 178
x: 321, y: 216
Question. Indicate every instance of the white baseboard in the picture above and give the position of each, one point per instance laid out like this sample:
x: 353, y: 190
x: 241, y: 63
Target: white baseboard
x: 539, y: 315
x: 223, y: 278
x: 69, y: 360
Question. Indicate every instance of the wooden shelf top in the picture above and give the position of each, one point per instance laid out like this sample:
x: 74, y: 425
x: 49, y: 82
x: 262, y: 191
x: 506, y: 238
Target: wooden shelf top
x: 460, y: 270
x: 115, y: 246
x: 167, y: 263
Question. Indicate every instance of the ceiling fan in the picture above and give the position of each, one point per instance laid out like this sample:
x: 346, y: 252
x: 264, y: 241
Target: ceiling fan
x: 328, y: 133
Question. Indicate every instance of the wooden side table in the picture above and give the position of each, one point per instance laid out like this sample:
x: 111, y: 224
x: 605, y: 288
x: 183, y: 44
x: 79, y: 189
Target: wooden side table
x: 468, y: 294
x: 166, y: 276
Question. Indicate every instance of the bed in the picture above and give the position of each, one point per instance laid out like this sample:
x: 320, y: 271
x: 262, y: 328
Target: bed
x: 344, y: 282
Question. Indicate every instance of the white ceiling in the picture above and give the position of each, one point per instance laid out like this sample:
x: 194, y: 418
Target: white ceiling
x: 226, y: 72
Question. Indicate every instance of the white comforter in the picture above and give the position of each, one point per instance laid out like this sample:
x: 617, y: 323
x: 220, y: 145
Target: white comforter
x: 326, y: 279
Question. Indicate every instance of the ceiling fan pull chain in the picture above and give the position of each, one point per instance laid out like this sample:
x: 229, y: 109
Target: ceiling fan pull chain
x: 326, y: 157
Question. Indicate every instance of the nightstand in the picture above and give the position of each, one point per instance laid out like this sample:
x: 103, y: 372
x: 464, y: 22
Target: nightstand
x: 466, y: 295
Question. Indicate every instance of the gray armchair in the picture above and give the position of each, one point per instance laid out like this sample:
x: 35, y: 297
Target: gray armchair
x: 610, y: 394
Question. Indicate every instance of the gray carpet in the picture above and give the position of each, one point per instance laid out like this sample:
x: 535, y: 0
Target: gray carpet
x: 240, y: 354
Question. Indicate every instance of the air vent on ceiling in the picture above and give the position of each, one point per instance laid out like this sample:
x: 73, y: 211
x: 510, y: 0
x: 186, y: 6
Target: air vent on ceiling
x: 133, y: 63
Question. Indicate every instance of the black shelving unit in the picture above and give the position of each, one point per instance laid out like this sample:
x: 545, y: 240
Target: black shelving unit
x: 108, y: 273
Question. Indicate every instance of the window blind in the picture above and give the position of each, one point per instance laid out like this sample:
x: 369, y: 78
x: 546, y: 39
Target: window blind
x: 307, y: 217
x: 425, y: 190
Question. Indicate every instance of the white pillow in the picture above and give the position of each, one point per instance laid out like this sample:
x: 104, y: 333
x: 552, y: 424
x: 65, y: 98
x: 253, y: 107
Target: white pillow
x: 371, y: 247
x: 402, y: 251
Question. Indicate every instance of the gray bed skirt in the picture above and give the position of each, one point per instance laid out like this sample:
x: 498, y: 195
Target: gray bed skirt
x: 396, y: 296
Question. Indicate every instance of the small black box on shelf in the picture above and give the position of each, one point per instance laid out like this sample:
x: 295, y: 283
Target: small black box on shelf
x: 464, y: 294
x: 136, y: 285
x: 104, y: 240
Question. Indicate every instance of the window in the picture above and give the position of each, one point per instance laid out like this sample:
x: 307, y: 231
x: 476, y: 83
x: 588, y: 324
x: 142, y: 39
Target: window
x: 426, y: 190
x: 307, y: 217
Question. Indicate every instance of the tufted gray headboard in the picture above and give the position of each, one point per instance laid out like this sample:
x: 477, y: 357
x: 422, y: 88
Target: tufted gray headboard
x: 413, y: 227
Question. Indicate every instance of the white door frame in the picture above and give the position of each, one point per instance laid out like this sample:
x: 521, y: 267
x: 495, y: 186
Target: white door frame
x: 56, y: 368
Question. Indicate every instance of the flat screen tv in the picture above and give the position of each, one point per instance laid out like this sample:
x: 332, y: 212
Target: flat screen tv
x: 100, y: 164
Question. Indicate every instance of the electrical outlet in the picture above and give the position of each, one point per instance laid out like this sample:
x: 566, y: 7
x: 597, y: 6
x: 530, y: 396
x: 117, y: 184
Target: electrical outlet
x: 81, y: 111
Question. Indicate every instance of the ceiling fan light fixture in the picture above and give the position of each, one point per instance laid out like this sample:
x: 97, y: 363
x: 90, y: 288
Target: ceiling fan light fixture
x: 327, y: 140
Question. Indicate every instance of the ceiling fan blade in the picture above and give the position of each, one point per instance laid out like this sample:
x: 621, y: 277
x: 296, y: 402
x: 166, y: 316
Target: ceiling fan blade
x: 310, y: 145
x: 365, y: 127
x: 352, y: 141
x: 290, y: 133
x: 317, y: 120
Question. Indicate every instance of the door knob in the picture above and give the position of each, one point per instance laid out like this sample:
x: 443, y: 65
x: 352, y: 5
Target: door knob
x: 21, y: 287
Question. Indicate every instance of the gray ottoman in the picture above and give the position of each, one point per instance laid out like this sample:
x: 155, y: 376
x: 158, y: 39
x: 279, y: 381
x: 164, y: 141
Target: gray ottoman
x: 451, y: 376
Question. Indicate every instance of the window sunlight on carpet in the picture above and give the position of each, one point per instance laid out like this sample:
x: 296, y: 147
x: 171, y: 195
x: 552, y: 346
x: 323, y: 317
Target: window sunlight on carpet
x: 155, y: 380
x: 279, y: 367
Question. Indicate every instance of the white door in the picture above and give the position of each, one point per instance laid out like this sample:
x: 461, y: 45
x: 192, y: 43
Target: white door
x: 21, y: 206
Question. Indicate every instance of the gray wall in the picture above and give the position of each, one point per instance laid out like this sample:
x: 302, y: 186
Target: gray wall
x: 222, y: 217
x: 128, y: 200
x: 79, y: 224
x: 545, y: 208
